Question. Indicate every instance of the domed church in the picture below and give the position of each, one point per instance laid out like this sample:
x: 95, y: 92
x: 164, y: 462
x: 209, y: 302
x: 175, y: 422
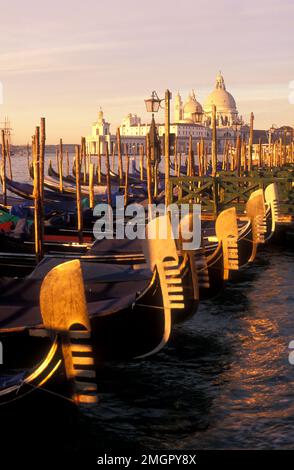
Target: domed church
x: 192, y: 111
x: 191, y: 119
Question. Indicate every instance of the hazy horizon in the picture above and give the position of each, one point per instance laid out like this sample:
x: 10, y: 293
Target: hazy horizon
x: 63, y: 60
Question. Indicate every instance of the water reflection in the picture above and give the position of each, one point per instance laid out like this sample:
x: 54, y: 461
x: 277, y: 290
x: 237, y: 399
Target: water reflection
x: 224, y: 381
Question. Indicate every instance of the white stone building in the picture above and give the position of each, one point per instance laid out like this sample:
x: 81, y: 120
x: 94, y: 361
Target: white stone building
x: 189, y: 118
x: 100, y: 133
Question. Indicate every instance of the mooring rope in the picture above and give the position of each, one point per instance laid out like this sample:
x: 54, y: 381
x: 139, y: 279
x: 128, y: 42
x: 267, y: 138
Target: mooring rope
x: 33, y: 388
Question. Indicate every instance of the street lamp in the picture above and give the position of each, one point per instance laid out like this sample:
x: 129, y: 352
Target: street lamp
x: 152, y: 105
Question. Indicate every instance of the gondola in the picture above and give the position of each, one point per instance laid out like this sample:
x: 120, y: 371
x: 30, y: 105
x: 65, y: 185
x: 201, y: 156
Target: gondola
x: 114, y: 177
x: 100, y: 191
x: 183, y: 169
x: 19, y: 378
x: 137, y: 173
x: 69, y: 187
x: 26, y: 190
x: 16, y: 233
x: 137, y: 189
x: 56, y: 360
x: 235, y: 243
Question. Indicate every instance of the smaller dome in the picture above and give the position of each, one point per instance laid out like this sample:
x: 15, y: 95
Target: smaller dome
x: 192, y: 105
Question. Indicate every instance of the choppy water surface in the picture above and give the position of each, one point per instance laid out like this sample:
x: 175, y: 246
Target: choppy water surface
x: 224, y: 380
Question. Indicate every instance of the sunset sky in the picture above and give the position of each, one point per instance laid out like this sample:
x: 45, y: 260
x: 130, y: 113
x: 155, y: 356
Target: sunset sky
x: 63, y: 59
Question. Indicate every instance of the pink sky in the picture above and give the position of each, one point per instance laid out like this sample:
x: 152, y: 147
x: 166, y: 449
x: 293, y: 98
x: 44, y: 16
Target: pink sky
x: 64, y: 59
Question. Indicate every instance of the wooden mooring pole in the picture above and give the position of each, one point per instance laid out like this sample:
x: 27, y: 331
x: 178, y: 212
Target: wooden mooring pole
x: 91, y: 186
x: 108, y: 183
x: 238, y: 156
x: 9, y: 158
x: 28, y: 157
x: 190, y: 167
x: 60, y: 166
x: 250, y: 143
x: 78, y: 194
x: 99, y: 162
x: 119, y: 157
x: 176, y: 155
x: 67, y: 163
x: 38, y: 219
x: 179, y: 165
x: 127, y: 166
x: 113, y: 157
x: 3, y: 169
x: 149, y: 174
x: 260, y: 153
x: 214, y: 142
x: 84, y: 158
x: 141, y: 150
x: 167, y: 144
x: 57, y: 158
x: 41, y: 178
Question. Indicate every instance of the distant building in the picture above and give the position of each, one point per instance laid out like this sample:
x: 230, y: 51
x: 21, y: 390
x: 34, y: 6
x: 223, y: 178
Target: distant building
x: 100, y: 133
x: 190, y: 118
x: 286, y: 133
x: 134, y: 133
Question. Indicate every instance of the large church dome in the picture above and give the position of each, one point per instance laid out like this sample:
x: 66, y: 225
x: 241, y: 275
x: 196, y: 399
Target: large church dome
x: 221, y: 98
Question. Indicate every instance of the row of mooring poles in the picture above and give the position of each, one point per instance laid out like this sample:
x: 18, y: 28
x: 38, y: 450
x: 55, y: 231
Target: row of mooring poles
x: 125, y: 172
x: 237, y: 158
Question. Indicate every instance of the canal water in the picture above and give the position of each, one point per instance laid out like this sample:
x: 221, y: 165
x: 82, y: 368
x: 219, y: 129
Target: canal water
x: 224, y: 381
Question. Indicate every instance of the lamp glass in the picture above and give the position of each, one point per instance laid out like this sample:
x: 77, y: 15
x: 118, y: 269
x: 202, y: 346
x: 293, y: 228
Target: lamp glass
x: 152, y: 105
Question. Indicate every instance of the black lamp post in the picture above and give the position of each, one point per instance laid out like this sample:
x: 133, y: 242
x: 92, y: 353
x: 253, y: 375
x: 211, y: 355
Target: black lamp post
x: 152, y: 106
